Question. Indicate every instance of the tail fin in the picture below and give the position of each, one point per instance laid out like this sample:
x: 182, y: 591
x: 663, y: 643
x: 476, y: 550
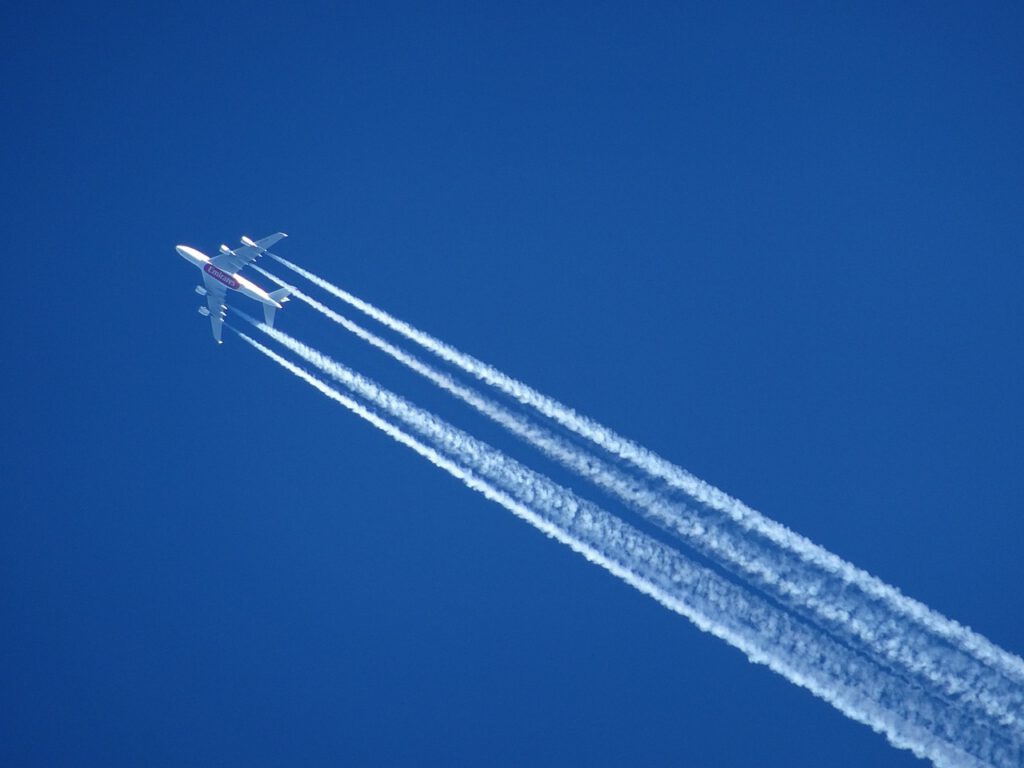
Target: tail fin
x: 280, y: 296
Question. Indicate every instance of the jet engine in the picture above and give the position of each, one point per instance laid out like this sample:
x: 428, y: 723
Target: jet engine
x: 224, y: 249
x: 204, y: 312
x: 200, y: 290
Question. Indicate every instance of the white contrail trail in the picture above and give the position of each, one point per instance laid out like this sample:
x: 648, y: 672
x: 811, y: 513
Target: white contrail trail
x: 503, y: 470
x: 812, y: 592
x: 657, y: 467
x: 907, y: 716
x: 953, y: 674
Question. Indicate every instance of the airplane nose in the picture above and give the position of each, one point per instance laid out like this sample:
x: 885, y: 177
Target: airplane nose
x: 190, y: 254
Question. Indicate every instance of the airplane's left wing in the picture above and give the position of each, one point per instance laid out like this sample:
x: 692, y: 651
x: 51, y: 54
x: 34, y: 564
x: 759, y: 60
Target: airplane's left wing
x: 215, y: 292
x: 232, y: 261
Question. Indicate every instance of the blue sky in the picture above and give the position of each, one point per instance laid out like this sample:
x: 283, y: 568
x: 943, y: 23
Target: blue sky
x: 779, y: 244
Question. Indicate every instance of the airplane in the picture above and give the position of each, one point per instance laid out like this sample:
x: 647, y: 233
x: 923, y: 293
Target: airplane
x: 221, y: 273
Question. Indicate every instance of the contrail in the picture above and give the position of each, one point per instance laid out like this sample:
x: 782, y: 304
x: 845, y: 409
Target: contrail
x: 954, y: 675
x: 890, y: 638
x: 657, y: 467
x: 909, y: 717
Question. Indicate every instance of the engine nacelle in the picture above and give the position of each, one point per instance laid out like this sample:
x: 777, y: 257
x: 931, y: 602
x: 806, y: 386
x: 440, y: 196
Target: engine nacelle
x: 200, y: 290
x: 224, y: 249
x: 204, y: 312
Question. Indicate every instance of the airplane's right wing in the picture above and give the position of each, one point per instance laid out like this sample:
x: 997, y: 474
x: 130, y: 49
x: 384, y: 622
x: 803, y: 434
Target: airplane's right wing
x: 215, y: 293
x: 232, y: 261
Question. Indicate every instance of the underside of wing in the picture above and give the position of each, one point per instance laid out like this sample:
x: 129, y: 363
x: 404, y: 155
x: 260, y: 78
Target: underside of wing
x: 217, y: 326
x: 233, y: 261
x: 265, y: 243
x: 215, y: 292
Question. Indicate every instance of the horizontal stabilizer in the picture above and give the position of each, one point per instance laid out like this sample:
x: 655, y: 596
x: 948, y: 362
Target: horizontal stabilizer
x: 280, y: 296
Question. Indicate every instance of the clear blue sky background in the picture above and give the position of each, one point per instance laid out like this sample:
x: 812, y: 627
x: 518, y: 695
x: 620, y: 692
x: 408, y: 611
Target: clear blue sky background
x: 781, y: 244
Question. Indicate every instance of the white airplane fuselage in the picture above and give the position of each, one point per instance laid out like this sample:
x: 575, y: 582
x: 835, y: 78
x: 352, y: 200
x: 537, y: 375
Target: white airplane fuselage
x: 235, y: 282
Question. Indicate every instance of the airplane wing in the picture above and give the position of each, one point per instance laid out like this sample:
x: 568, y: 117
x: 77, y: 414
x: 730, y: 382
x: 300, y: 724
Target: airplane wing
x: 232, y: 261
x: 215, y: 292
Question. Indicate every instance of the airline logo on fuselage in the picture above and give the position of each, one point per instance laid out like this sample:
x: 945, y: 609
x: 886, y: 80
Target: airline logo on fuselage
x: 220, y: 276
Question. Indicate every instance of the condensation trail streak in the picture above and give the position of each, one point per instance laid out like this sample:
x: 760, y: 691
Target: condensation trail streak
x: 890, y: 638
x: 968, y: 641
x: 909, y: 717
